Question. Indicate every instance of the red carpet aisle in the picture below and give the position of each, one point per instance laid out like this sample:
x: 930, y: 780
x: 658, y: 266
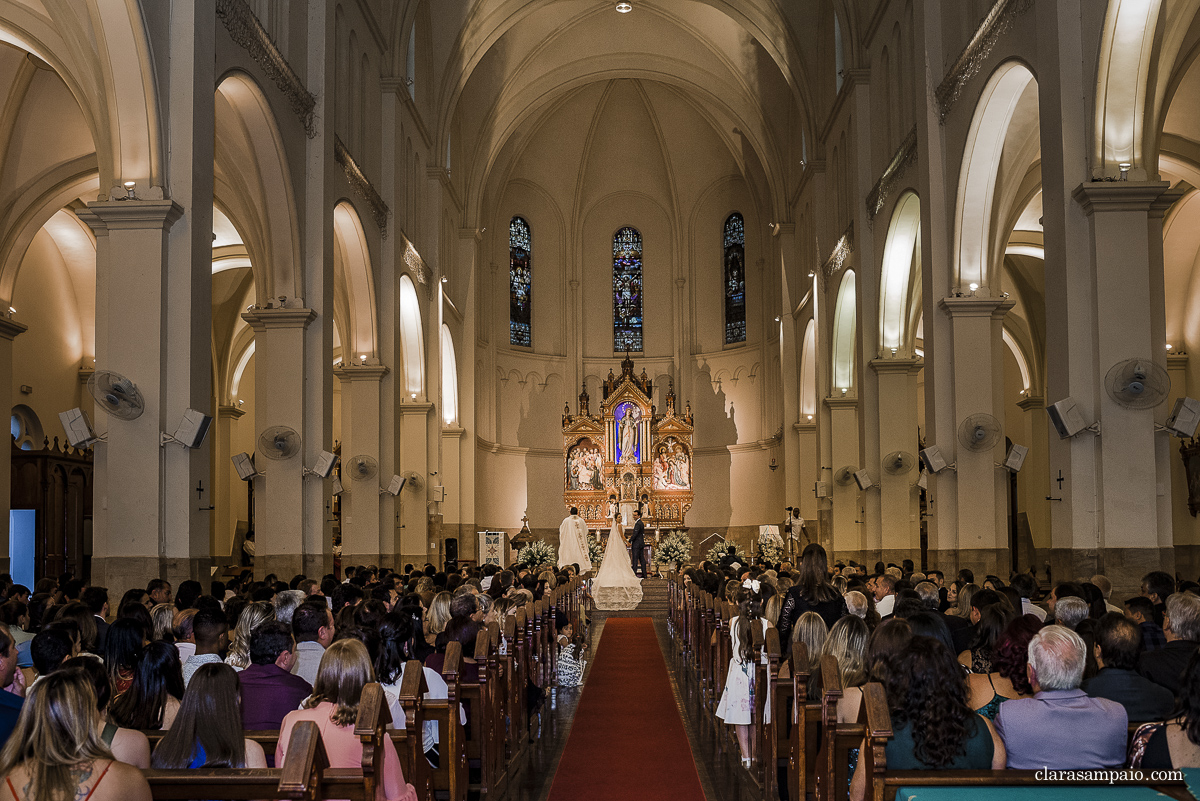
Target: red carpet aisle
x: 627, y: 740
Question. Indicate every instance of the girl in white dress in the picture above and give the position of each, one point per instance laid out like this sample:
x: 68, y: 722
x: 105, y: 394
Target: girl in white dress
x: 616, y: 586
x: 736, y: 706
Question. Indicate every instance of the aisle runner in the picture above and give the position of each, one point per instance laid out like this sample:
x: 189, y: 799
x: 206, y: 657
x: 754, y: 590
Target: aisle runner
x: 627, y: 740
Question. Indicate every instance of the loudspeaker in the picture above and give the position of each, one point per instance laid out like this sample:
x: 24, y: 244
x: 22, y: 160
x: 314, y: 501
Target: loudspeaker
x: 244, y: 464
x: 451, y: 549
x: 1066, y: 418
x: 822, y: 489
x: 192, y: 428
x: 325, y: 464
x: 1185, y: 418
x: 1016, y: 458
x: 863, y: 479
x: 79, y: 430
x: 933, y: 460
x: 395, y: 485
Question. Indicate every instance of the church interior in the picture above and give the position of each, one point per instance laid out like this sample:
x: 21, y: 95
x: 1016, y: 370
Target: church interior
x: 847, y: 235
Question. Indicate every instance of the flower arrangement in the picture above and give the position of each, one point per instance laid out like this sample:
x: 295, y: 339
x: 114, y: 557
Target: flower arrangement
x: 717, y: 551
x: 770, y: 550
x: 537, y: 554
x: 674, y: 548
x: 595, y: 550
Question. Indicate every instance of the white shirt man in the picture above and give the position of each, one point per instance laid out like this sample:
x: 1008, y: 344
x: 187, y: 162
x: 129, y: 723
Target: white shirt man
x: 885, y: 595
x: 313, y: 633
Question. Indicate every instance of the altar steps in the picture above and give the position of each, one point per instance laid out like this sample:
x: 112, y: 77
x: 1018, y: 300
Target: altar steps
x: 655, y: 602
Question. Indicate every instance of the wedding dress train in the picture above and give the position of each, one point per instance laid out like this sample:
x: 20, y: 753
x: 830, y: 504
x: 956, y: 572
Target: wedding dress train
x: 616, y: 587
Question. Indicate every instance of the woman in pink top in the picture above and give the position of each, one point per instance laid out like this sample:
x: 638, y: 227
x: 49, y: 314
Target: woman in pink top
x: 345, y: 669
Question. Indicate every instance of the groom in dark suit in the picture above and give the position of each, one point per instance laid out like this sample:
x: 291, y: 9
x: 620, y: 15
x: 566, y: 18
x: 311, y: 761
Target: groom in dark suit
x: 637, y: 542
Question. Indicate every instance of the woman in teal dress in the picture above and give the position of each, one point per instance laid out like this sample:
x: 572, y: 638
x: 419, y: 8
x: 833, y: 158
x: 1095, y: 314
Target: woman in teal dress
x: 933, y: 728
x: 1008, y: 679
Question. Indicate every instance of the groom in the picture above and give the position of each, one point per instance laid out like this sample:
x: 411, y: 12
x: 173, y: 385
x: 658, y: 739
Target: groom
x: 637, y: 542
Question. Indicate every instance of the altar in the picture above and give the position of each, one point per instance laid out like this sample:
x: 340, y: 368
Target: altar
x: 628, y: 456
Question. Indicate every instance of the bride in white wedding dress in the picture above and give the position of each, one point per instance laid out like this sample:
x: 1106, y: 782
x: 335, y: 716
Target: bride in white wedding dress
x: 616, y: 587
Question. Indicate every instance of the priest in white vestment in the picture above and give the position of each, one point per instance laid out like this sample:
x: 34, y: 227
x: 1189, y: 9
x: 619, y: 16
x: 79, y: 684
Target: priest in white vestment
x: 572, y: 543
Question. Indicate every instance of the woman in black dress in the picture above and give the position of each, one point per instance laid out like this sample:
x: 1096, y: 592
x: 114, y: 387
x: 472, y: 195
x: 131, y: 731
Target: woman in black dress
x: 812, y: 592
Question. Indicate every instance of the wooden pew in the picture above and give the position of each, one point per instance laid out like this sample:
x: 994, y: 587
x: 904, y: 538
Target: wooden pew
x: 833, y: 771
x: 805, y: 729
x: 450, y: 776
x: 882, y: 783
x: 766, y: 677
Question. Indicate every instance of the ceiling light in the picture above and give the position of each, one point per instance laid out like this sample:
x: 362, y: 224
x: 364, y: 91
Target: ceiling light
x: 624, y: 8
x: 445, y: 280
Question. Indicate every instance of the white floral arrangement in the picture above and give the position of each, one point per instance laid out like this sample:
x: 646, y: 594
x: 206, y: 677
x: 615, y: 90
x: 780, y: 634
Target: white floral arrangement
x: 595, y: 550
x: 537, y: 554
x: 674, y: 549
x: 770, y: 550
x: 716, y: 552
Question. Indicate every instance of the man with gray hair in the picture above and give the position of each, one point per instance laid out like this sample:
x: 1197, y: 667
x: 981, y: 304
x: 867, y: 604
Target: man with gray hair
x: 1060, y: 727
x: 285, y: 604
x: 1070, y: 612
x: 1181, y: 625
x: 856, y: 604
x: 1105, y: 586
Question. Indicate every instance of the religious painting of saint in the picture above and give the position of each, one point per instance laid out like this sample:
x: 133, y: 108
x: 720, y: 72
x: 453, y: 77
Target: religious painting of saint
x: 628, y: 417
x: 585, y: 466
x: 672, y: 466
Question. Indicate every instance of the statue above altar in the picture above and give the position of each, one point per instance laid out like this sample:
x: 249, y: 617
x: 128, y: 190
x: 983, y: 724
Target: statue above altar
x: 628, y: 456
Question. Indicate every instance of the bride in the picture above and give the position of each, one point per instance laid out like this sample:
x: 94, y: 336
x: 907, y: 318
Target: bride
x: 616, y: 586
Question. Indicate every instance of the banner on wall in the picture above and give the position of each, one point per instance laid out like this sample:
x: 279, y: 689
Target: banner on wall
x: 491, y: 548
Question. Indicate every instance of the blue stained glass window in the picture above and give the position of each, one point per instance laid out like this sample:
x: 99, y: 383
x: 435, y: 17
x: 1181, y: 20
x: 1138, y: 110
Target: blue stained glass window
x: 519, y: 284
x: 627, y: 290
x: 735, y: 279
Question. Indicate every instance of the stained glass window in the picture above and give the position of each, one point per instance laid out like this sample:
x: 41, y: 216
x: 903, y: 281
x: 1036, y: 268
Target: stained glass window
x: 519, y: 285
x: 627, y: 290
x: 735, y: 279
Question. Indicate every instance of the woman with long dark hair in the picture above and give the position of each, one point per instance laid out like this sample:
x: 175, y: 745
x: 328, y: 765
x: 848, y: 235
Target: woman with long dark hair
x: 345, y: 670
x: 397, y: 634
x: 933, y: 728
x: 993, y: 619
x: 127, y: 745
x: 153, y: 698
x: 735, y: 706
x: 55, y: 752
x: 122, y: 652
x: 207, y: 732
x: 812, y: 592
x: 1008, y: 678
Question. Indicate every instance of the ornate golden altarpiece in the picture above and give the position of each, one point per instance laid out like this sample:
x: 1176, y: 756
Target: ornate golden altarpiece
x: 628, y: 455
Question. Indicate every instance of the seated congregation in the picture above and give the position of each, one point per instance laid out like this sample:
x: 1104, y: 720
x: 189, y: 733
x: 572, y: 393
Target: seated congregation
x: 839, y: 684
x: 390, y: 686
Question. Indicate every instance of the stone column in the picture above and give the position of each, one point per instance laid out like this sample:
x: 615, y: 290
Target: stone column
x: 10, y: 329
x: 899, y: 505
x: 133, y: 489
x: 450, y: 478
x: 1035, y: 485
x: 977, y: 360
x: 1130, y: 536
x: 846, y: 538
x: 225, y: 493
x: 414, y: 543
x: 279, y: 379
x: 362, y: 527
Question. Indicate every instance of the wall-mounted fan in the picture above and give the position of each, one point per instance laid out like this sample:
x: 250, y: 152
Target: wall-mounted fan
x: 979, y: 432
x: 279, y: 442
x: 413, y: 480
x: 1137, y: 384
x: 116, y: 394
x: 845, y: 476
x: 361, y: 468
x: 897, y: 463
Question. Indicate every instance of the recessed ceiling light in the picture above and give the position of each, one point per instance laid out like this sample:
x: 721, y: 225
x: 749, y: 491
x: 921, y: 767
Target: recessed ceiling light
x: 624, y: 8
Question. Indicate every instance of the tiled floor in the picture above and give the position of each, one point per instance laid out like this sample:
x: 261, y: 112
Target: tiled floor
x: 716, y: 757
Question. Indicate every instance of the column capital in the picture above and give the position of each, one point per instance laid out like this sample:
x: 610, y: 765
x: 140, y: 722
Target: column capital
x: 360, y: 372
x: 975, y: 306
x: 86, y: 373
x: 1177, y: 361
x: 10, y: 329
x: 1032, y: 403
x: 801, y: 426
x: 1102, y: 196
x: 453, y: 432
x: 266, y: 319
x: 847, y: 402
x: 230, y: 412
x: 894, y: 366
x: 414, y: 408
x: 113, y: 215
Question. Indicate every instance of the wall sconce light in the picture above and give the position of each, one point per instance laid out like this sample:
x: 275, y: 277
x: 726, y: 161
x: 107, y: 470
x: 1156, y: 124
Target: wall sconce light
x: 973, y: 287
x: 812, y: 274
x: 893, y: 351
x: 809, y: 417
x: 362, y: 357
x: 773, y: 464
x: 445, y: 280
x: 1125, y: 168
x: 129, y: 193
x: 776, y: 319
x: 844, y: 390
x: 624, y: 8
x: 414, y: 396
x: 1169, y: 347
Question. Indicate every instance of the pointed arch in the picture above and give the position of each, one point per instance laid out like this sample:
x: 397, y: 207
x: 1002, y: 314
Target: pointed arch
x: 449, y: 379
x: 901, y: 267
x: 412, y: 342
x: 845, y: 328
x: 353, y: 271
x: 808, y: 371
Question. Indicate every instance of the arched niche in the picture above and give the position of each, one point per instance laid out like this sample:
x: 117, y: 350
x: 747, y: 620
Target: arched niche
x: 449, y: 379
x: 808, y: 371
x: 352, y: 270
